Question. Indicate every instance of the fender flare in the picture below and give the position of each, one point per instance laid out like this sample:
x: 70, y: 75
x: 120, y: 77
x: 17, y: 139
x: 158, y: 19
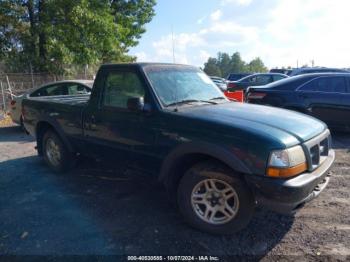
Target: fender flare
x: 56, y: 128
x: 220, y: 153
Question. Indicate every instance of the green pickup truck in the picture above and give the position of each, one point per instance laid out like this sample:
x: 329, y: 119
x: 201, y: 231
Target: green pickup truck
x: 217, y: 159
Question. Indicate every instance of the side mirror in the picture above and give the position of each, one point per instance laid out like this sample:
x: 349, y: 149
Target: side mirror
x: 135, y: 104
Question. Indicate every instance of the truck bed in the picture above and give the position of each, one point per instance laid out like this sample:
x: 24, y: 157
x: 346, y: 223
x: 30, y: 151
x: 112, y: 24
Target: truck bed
x: 65, y: 112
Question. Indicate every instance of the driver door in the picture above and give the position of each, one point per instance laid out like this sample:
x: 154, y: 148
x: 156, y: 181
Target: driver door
x: 114, y: 131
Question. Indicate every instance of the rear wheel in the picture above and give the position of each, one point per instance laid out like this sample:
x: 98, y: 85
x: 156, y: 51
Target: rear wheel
x: 214, y: 199
x: 56, y: 154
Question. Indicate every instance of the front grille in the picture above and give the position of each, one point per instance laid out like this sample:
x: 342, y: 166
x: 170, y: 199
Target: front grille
x: 317, y: 149
x: 315, y: 155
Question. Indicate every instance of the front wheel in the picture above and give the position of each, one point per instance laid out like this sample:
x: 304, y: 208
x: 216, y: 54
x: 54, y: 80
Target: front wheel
x: 214, y: 199
x: 56, y: 154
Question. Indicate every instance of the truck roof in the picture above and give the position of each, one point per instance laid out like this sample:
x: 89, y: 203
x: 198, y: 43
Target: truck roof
x: 144, y: 64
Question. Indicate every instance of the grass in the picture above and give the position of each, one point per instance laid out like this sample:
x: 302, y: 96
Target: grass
x: 6, y: 121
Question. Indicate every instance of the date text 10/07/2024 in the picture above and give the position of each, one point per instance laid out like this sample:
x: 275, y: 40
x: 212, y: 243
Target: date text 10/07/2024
x: 173, y: 258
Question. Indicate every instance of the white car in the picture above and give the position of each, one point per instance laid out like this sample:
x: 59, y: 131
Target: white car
x: 220, y: 82
x: 68, y: 87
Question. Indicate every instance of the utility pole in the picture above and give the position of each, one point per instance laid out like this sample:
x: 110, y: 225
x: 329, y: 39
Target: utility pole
x: 172, y: 40
x: 3, y: 97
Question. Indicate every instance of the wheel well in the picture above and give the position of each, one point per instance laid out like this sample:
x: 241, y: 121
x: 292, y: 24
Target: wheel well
x: 180, y: 166
x: 41, y: 129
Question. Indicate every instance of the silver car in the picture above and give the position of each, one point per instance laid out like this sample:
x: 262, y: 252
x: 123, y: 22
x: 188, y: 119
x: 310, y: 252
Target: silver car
x: 220, y: 82
x: 67, y: 87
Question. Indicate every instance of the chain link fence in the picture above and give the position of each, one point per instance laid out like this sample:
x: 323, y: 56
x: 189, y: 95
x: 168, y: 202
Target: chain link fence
x: 15, y: 84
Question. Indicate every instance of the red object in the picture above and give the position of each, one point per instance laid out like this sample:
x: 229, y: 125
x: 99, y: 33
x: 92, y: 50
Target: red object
x: 13, y: 102
x: 256, y: 95
x: 235, y: 96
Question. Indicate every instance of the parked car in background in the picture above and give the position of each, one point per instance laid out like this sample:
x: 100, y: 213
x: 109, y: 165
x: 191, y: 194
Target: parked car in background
x: 311, y: 70
x: 220, y: 82
x: 254, y: 80
x: 217, y: 159
x: 236, y: 76
x: 281, y: 71
x: 68, y: 87
x: 325, y: 96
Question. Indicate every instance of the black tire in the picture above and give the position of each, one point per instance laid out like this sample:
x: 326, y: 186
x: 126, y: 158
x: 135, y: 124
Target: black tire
x: 214, y: 170
x: 66, y: 161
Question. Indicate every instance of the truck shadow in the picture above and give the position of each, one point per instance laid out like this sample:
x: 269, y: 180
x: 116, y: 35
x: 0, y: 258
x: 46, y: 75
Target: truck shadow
x: 14, y: 134
x: 100, y: 211
x: 340, y: 140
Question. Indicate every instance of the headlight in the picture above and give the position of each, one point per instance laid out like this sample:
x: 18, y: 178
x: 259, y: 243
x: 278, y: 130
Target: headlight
x: 279, y: 159
x: 287, y: 162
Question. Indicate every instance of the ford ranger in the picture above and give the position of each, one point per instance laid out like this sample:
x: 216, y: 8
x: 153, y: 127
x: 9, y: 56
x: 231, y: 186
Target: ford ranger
x: 217, y: 159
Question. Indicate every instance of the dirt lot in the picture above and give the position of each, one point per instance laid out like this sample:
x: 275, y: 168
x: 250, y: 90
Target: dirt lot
x: 95, y: 210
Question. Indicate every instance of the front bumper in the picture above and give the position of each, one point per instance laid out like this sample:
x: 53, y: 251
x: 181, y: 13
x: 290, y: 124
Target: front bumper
x: 288, y: 195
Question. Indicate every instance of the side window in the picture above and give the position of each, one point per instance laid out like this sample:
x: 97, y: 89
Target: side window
x: 330, y: 85
x: 308, y: 86
x: 120, y: 86
x: 263, y: 79
x: 77, y: 89
x: 277, y: 77
x: 39, y: 92
x: 322, y: 85
x: 252, y: 79
x: 348, y: 84
x: 326, y: 85
x: 53, y: 90
x: 337, y: 84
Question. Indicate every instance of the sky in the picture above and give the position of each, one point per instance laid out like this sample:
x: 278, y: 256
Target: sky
x: 280, y: 32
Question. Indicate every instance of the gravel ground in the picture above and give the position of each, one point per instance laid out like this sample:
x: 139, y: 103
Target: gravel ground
x: 95, y: 210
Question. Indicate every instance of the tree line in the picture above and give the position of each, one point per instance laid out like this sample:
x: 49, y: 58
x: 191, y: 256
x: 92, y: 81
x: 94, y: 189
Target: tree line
x: 46, y: 35
x: 224, y: 64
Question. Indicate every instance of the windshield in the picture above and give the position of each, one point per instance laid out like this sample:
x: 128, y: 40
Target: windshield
x: 174, y: 84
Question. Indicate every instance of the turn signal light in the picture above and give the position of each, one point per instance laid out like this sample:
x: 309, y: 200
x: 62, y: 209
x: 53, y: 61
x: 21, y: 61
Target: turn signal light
x: 286, y: 172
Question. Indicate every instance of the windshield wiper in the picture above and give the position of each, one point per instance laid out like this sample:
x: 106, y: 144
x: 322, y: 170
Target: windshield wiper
x: 218, y: 98
x: 187, y: 101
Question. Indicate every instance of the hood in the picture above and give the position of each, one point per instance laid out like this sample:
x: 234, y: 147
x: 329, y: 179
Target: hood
x: 286, y: 126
